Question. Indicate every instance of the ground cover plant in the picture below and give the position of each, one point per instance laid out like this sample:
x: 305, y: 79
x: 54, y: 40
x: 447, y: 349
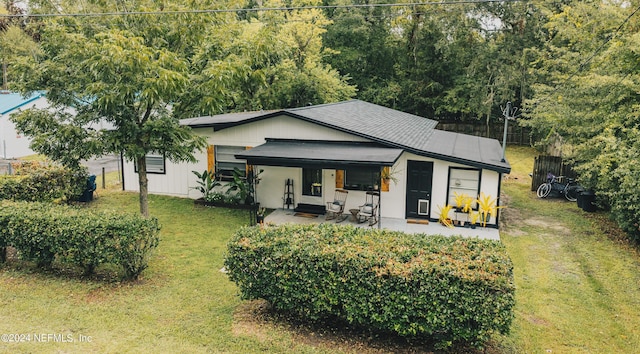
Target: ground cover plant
x: 576, y: 289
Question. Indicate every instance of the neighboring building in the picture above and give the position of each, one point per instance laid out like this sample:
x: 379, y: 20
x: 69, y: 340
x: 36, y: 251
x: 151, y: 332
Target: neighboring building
x: 344, y: 145
x: 12, y: 144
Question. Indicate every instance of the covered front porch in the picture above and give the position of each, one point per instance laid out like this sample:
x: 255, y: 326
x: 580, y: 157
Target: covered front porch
x: 283, y: 216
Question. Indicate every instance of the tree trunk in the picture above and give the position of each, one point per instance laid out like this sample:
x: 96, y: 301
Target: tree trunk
x: 143, y: 182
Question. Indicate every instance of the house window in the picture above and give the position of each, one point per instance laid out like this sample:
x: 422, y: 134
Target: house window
x: 463, y: 181
x: 312, y: 181
x: 226, y: 161
x: 155, y: 164
x: 361, y: 178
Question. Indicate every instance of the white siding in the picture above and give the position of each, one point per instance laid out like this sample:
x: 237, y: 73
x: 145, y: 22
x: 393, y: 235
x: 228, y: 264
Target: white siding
x: 179, y: 179
x: 12, y: 144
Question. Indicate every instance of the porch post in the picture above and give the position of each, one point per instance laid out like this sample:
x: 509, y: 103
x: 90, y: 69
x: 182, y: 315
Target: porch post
x: 380, y: 199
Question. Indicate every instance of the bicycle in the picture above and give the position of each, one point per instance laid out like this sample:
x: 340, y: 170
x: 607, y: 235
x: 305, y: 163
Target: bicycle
x: 569, y: 189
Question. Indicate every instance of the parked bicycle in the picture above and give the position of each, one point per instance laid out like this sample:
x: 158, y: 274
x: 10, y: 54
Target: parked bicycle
x: 568, y: 188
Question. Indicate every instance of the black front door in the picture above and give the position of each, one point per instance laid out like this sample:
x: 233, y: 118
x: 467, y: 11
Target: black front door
x: 419, y: 178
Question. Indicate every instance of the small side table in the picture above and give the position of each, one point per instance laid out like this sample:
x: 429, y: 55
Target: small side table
x: 354, y: 214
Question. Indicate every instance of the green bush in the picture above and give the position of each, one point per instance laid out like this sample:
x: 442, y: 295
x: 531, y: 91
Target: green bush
x: 447, y: 289
x: 39, y: 183
x: 42, y: 233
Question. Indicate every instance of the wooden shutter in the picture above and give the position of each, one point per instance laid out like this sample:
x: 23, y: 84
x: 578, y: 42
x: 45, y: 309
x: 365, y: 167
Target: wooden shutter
x: 340, y: 179
x: 384, y: 183
x: 247, y: 166
x: 210, y: 159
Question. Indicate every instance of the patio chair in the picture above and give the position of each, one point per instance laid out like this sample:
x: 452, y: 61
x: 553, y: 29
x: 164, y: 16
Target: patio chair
x: 335, y: 209
x: 369, y: 210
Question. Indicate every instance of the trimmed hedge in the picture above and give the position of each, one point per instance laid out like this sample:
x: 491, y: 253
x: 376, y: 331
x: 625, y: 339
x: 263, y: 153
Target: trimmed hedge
x: 42, y: 233
x: 34, y: 182
x: 446, y: 289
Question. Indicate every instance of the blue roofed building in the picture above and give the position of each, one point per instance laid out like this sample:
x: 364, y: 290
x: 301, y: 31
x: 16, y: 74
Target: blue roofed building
x: 12, y: 144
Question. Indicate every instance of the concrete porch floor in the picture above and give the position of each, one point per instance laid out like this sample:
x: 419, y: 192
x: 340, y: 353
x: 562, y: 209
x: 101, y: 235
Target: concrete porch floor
x: 283, y: 216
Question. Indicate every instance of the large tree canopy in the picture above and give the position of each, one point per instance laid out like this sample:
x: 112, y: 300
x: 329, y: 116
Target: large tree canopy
x: 140, y: 73
x: 110, y: 76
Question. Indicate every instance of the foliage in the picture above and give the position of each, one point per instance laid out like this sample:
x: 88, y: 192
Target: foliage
x: 487, y: 207
x: 449, y: 289
x: 592, y: 112
x: 206, y: 183
x: 444, y: 62
x: 243, y: 188
x: 463, y: 201
x: 104, y: 71
x: 42, y: 233
x: 444, y: 218
x: 36, y: 182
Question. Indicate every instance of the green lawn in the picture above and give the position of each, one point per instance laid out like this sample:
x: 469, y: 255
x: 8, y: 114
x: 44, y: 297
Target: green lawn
x: 577, y: 289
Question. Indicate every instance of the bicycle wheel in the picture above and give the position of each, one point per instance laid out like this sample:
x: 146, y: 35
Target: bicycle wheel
x: 571, y: 193
x: 544, y: 190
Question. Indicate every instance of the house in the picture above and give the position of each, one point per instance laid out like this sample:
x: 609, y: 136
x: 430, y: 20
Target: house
x: 12, y: 144
x: 345, y: 145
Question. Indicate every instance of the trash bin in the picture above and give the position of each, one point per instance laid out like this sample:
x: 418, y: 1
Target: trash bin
x: 579, y: 199
x: 87, y: 194
x: 587, y: 201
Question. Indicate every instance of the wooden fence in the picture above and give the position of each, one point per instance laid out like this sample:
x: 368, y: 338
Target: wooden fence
x: 546, y: 164
x: 515, y: 134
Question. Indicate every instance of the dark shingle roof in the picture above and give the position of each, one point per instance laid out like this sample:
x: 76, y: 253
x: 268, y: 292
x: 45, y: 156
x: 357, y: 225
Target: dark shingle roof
x: 383, y: 125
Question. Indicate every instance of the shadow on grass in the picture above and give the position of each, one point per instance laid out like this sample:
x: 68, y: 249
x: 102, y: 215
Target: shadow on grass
x: 255, y: 318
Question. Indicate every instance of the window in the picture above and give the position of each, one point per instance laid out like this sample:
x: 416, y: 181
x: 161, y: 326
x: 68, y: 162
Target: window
x: 361, y: 178
x: 226, y: 162
x: 155, y: 164
x: 463, y: 181
x: 312, y: 181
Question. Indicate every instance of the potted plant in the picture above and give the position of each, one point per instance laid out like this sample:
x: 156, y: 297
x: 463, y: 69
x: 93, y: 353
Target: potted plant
x: 463, y: 205
x: 487, y: 207
x: 444, y: 215
x: 260, y: 215
x: 389, y: 174
x: 473, y: 219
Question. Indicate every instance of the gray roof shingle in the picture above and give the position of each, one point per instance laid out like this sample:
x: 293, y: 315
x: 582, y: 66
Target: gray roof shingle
x: 383, y: 125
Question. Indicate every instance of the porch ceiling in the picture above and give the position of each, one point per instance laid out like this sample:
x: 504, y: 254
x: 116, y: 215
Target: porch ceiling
x: 324, y: 154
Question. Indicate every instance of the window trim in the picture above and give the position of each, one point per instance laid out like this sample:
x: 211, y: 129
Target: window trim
x: 152, y: 156
x: 218, y: 160
x: 375, y: 180
x: 450, y: 187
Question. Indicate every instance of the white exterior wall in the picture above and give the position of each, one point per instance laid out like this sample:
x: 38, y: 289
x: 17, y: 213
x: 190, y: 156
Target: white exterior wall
x: 12, y: 144
x: 179, y: 179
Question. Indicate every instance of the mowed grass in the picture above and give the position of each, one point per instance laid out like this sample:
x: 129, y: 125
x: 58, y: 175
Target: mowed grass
x: 577, y: 288
x: 577, y: 279
x: 181, y: 304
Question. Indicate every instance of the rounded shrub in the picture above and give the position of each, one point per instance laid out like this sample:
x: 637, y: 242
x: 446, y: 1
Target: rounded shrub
x: 43, y: 233
x: 446, y: 289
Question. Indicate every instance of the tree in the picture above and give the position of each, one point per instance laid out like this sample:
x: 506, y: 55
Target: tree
x: 268, y: 59
x: 587, y: 96
x: 102, y: 72
x: 14, y: 42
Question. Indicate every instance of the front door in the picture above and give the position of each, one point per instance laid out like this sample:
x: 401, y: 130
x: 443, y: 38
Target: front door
x: 419, y: 178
